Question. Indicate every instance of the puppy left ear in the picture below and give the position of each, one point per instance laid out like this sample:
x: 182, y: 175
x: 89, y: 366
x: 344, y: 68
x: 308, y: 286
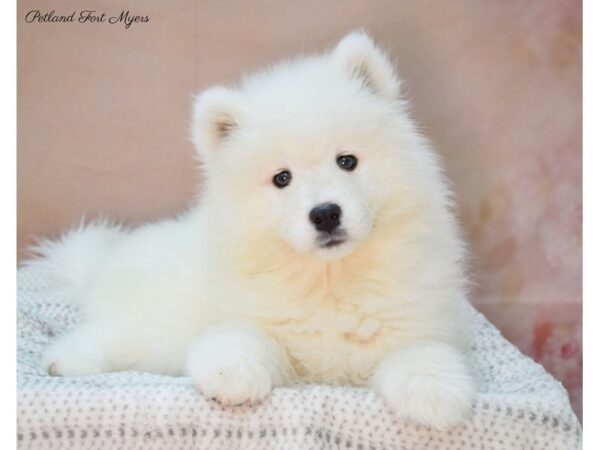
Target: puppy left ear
x: 361, y: 58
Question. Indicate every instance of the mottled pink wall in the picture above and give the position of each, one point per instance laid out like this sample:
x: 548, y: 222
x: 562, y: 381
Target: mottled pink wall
x: 102, y: 120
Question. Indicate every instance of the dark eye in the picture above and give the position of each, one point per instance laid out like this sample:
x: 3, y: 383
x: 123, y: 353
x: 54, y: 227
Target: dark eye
x: 347, y: 162
x: 282, y: 179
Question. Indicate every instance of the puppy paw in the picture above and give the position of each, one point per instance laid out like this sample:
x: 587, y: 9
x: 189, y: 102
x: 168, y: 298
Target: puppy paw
x: 235, y: 365
x: 233, y: 383
x: 427, y: 384
x: 63, y: 358
x: 79, y: 352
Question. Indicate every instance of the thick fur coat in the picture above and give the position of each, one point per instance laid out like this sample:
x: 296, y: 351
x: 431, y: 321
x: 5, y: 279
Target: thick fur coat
x: 249, y: 290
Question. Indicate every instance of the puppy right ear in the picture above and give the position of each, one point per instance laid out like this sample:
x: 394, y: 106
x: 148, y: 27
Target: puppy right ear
x: 216, y: 116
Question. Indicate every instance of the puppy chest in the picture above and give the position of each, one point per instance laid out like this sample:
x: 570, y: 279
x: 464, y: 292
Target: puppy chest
x: 336, y: 347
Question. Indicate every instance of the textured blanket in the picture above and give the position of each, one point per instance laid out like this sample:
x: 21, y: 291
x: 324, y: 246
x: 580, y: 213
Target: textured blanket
x: 519, y: 405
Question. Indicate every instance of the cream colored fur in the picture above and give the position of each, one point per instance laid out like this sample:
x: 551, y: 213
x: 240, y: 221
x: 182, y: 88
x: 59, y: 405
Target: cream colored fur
x: 238, y: 294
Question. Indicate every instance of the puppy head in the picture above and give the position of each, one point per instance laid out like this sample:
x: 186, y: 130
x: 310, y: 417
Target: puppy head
x: 311, y: 153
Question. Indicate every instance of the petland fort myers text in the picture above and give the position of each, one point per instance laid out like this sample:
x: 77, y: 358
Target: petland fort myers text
x: 86, y: 16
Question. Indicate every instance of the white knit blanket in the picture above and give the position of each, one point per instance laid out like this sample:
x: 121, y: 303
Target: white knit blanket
x: 519, y: 405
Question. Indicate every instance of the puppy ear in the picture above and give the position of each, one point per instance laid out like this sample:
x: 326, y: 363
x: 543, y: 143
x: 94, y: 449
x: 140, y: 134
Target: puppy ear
x: 361, y: 58
x: 216, y: 116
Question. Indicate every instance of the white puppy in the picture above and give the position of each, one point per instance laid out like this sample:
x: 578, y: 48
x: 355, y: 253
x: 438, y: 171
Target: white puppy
x: 323, y: 249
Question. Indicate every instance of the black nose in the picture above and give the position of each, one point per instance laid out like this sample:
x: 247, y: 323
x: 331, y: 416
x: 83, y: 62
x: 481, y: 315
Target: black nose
x: 326, y: 216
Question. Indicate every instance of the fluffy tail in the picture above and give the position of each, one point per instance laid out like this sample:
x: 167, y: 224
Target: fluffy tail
x: 70, y: 261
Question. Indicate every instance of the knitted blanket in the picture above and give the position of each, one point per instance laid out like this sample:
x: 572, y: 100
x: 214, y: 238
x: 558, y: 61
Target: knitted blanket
x: 518, y: 406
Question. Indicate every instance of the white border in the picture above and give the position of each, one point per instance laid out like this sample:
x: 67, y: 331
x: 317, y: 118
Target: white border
x: 8, y: 223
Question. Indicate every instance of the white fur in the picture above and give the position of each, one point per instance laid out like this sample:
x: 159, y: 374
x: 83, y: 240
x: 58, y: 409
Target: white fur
x: 239, y: 293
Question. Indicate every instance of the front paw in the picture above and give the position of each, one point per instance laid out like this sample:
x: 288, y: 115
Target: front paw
x: 428, y: 384
x: 232, y: 382
x: 235, y: 364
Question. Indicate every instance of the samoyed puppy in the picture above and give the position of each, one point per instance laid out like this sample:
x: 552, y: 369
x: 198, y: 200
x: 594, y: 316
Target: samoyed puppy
x: 323, y: 249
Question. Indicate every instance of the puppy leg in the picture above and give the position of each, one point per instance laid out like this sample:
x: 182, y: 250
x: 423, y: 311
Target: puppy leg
x: 236, y: 363
x: 79, y: 352
x: 426, y: 382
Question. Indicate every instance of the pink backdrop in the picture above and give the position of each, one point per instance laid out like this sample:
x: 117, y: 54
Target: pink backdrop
x: 103, y: 110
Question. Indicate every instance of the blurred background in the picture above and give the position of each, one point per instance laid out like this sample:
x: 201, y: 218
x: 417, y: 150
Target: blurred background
x: 103, y: 114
